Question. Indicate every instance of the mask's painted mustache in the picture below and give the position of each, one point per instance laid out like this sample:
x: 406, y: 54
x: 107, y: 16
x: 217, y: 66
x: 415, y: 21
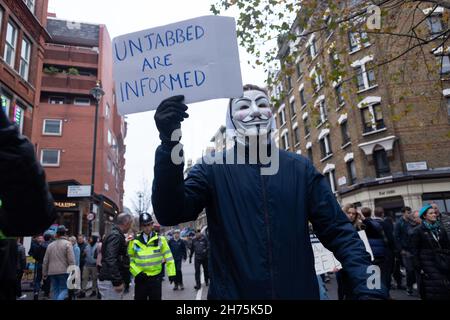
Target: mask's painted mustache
x: 256, y: 118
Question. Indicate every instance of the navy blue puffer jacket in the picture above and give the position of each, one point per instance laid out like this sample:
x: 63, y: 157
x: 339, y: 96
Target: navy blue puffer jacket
x: 258, y: 225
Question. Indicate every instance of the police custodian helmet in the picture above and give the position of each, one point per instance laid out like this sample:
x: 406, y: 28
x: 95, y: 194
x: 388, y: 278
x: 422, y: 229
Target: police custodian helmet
x: 145, y: 219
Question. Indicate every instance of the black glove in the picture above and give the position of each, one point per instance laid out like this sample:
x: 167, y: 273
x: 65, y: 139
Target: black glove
x: 168, y: 118
x: 172, y: 279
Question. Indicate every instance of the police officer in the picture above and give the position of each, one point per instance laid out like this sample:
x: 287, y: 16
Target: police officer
x: 148, y: 251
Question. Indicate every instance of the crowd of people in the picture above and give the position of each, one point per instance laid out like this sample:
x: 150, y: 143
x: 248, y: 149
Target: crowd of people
x: 53, y: 253
x: 416, y: 245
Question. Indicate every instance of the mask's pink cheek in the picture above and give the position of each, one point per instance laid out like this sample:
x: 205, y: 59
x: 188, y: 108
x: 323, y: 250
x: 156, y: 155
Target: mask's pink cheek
x: 240, y: 115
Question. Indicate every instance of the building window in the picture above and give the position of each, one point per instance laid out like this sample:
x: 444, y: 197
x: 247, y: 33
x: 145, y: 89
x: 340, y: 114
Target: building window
x: 302, y: 97
x: 331, y: 180
x: 285, y: 141
x: 107, y: 110
x: 372, y: 118
x: 52, y: 127
x: 310, y: 154
x: 289, y: 83
x: 306, y: 125
x: 25, y: 58
x: 365, y: 78
x: 10, y: 45
x: 56, y: 100
x: 351, y: 172
x: 313, y: 49
x: 292, y: 105
x: 30, y: 4
x: 325, y: 146
x: 50, y: 157
x: 380, y: 159
x: 323, y: 111
x: 339, y: 95
x: 298, y: 67
x: 344, y: 132
x: 82, y: 101
x: 317, y: 81
x: 108, y: 164
x: 19, y: 115
x: 444, y: 61
x: 296, y: 135
x: 282, y: 117
x: 356, y: 38
x: 110, y: 138
x: 6, y: 104
x: 435, y: 24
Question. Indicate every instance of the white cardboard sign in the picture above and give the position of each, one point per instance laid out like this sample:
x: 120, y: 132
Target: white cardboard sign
x: 324, y: 260
x: 198, y: 58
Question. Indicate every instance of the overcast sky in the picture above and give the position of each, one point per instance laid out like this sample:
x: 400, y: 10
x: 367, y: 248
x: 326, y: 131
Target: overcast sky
x: 205, y: 118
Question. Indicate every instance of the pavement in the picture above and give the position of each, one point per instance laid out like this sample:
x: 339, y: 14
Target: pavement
x: 189, y: 293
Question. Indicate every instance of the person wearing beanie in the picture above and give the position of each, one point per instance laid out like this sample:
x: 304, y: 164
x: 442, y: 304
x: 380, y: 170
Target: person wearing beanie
x: 430, y: 247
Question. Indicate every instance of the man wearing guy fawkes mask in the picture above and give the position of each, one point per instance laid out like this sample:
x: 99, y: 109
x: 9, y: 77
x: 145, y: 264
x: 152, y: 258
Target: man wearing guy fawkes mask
x: 258, y: 223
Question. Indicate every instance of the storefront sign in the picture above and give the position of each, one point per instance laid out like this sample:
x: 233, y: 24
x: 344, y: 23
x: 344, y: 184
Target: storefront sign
x: 65, y: 205
x: 416, y: 166
x: 387, y: 192
x: 78, y: 191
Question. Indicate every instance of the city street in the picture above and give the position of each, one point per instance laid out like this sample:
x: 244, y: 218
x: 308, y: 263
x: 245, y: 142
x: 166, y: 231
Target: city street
x: 189, y: 293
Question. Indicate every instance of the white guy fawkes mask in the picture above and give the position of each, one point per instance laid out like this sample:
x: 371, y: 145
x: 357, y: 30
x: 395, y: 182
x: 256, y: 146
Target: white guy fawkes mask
x: 250, y: 115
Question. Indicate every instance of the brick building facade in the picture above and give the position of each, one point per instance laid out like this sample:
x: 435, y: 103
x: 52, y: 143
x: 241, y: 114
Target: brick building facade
x: 380, y: 136
x: 22, y: 39
x: 78, y: 56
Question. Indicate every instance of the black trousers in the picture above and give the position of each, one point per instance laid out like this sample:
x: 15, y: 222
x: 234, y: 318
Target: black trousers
x: 204, y: 263
x: 147, y: 287
x: 19, y: 283
x: 179, y: 275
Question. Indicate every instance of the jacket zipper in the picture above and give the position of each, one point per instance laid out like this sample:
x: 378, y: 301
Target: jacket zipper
x: 269, y: 238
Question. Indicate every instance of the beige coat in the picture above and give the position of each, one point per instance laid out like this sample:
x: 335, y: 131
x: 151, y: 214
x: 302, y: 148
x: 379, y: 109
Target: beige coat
x: 58, y: 257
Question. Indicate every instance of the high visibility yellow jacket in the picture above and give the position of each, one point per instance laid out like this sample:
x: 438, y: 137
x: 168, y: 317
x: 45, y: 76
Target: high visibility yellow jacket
x: 149, y: 257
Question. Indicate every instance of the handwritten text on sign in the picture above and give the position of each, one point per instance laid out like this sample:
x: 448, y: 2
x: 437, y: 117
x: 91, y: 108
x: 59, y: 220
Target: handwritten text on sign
x: 197, y: 58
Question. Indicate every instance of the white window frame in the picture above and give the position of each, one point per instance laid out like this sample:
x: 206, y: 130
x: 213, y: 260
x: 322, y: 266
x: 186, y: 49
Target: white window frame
x: 30, y: 4
x: 78, y: 103
x: 371, y: 102
x: 285, y: 138
x: 362, y: 64
x: 107, y: 110
x: 50, y: 164
x: 25, y: 54
x: 282, y: 114
x: 323, y: 111
x: 51, y: 133
x: 312, y: 47
x: 110, y: 138
x: 329, y: 171
x: 11, y: 44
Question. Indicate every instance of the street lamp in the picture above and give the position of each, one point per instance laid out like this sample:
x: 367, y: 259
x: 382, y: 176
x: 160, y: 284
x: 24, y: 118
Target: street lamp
x: 97, y: 92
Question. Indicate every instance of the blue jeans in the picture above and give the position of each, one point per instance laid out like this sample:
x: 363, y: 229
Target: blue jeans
x: 59, y: 286
x: 322, y: 289
x: 38, y: 277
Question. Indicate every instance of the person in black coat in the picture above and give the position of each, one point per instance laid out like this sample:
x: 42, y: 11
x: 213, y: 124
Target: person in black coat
x: 26, y: 206
x: 380, y: 234
x: 114, y: 273
x: 428, y: 241
x: 200, y: 248
x: 178, y: 248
